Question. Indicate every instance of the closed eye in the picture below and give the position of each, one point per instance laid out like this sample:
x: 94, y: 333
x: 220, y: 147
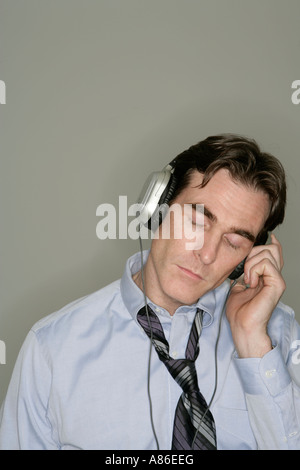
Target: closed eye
x: 235, y: 240
x: 235, y: 247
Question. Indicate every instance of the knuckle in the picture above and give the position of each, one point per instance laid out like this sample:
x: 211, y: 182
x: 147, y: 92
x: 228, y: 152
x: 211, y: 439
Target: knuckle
x: 283, y: 284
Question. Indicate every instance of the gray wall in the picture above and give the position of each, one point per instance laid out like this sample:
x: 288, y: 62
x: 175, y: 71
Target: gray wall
x: 100, y: 93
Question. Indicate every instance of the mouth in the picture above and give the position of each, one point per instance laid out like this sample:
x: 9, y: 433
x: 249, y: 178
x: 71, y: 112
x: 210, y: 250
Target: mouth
x: 190, y: 273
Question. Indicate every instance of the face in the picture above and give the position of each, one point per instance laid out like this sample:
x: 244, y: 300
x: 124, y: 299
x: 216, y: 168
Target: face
x: 233, y: 216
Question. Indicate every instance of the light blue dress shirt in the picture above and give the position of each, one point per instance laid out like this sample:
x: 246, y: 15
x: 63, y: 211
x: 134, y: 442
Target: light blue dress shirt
x: 80, y: 381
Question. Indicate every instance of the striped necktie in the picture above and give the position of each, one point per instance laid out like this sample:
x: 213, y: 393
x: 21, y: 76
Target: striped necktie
x: 194, y: 426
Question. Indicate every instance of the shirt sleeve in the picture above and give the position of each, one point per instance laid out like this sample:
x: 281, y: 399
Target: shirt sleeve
x: 24, y: 422
x: 272, y: 390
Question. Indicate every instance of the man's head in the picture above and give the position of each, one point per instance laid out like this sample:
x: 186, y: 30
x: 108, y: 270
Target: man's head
x: 246, y: 164
x: 243, y: 192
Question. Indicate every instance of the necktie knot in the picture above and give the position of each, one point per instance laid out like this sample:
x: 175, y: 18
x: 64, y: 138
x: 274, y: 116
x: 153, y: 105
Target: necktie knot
x: 184, y: 373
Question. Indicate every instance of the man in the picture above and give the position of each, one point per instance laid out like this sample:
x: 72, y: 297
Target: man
x: 85, y: 378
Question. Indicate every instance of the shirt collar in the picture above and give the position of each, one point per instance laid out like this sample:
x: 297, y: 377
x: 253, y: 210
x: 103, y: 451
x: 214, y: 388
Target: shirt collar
x: 133, y: 297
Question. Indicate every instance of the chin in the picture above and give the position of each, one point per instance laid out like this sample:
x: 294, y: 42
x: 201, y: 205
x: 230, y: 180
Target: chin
x: 183, y: 297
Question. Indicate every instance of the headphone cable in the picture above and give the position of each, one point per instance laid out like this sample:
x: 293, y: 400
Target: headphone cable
x: 151, y: 342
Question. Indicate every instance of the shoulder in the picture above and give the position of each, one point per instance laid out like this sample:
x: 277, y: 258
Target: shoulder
x: 80, y: 314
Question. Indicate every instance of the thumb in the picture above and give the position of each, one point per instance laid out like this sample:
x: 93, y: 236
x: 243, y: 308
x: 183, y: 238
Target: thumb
x: 239, y: 285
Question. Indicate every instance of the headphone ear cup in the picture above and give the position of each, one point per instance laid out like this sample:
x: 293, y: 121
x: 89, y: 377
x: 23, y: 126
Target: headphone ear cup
x: 239, y: 270
x: 169, y: 192
x: 163, y: 205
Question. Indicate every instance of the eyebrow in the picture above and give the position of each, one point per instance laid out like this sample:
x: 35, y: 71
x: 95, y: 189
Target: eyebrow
x: 203, y: 209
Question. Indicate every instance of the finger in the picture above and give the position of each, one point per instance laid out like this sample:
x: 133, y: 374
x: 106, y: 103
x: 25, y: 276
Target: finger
x: 238, y: 287
x: 279, y: 248
x: 258, y: 258
x: 274, y: 248
x: 244, y: 291
x: 266, y: 271
x: 238, y: 283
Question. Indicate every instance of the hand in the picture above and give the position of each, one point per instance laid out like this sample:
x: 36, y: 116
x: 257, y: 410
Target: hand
x: 249, y: 309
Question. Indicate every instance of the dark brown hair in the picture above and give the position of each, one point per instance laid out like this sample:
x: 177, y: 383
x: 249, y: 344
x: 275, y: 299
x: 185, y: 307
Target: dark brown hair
x: 246, y: 163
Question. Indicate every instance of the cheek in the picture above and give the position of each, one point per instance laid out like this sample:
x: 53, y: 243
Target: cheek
x: 163, y: 252
x: 166, y: 254
x: 227, y: 264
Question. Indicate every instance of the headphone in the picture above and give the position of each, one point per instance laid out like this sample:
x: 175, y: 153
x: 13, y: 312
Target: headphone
x: 154, y: 199
x: 155, y: 196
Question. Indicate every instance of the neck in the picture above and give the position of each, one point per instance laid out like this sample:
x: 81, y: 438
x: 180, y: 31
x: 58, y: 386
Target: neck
x: 154, y: 293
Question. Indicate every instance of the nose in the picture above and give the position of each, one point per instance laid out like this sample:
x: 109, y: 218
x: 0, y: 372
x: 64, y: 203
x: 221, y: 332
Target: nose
x: 208, y: 252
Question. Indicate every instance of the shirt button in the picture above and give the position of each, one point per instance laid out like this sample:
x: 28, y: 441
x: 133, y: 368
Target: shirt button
x: 270, y: 373
x: 174, y: 354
